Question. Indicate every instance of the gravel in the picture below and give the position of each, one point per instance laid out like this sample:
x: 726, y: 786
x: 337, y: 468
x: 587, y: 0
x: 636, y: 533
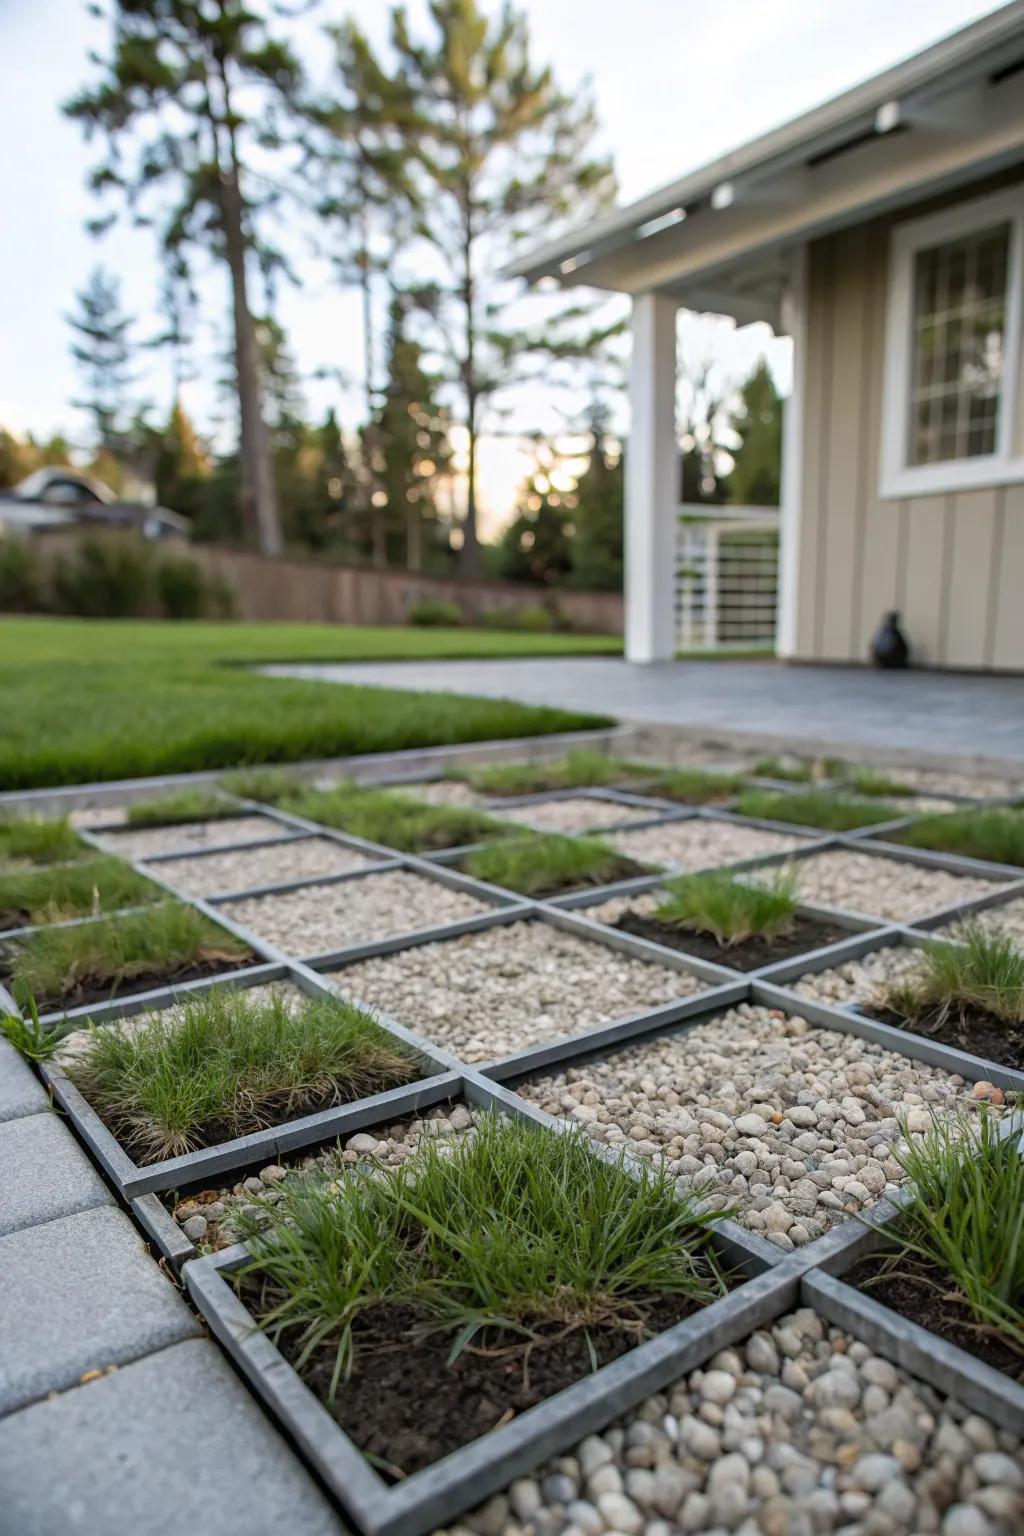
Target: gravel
x: 1008, y: 919
x: 700, y: 843
x: 863, y: 980
x: 610, y: 911
x: 306, y: 858
x: 488, y: 994
x: 320, y: 918
x: 936, y: 782
x: 141, y: 842
x: 574, y: 814
x: 442, y: 792
x: 881, y: 887
x: 797, y: 1431
x: 206, y: 1217
x: 792, y: 1124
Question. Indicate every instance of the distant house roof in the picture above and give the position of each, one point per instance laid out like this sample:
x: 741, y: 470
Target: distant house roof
x: 923, y: 125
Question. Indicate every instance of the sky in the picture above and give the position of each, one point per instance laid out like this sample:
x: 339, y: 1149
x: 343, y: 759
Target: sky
x: 677, y: 83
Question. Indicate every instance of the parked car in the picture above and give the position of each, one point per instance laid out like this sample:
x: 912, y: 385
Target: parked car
x: 55, y: 497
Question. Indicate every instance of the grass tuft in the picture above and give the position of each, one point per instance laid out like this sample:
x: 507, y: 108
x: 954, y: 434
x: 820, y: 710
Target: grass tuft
x: 868, y: 781
x: 814, y: 808
x: 962, y: 1228
x: 226, y: 1064
x: 543, y: 863
x: 36, y: 840
x: 29, y: 1036
x: 985, y: 972
x: 396, y: 820
x: 977, y: 834
x: 583, y: 768
x: 269, y: 785
x: 512, y: 1236
x: 71, y: 890
x: 54, y: 965
x: 695, y: 786
x: 727, y: 907
x: 187, y: 805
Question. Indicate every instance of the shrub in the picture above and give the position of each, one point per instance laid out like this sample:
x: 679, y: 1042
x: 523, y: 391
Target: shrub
x: 20, y: 582
x: 181, y: 588
x: 104, y: 579
x: 534, y: 619
x: 435, y: 613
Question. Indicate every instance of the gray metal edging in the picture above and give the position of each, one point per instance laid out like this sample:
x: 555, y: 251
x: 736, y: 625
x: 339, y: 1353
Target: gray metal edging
x: 466, y: 1477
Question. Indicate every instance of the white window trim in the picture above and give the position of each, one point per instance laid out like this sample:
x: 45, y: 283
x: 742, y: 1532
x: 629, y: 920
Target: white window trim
x: 899, y: 478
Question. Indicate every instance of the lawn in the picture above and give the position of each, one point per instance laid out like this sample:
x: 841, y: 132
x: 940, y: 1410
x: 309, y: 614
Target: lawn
x: 88, y: 700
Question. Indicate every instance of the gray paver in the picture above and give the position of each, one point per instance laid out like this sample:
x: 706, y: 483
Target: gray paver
x: 82, y: 1294
x: 21, y: 1092
x: 843, y: 706
x: 168, y: 1444
x: 45, y: 1174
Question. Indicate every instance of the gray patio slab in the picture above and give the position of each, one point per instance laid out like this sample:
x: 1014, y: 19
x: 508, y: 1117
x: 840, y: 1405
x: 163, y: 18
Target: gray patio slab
x: 845, y: 707
x: 21, y: 1092
x: 169, y: 1444
x: 45, y: 1174
x: 82, y: 1294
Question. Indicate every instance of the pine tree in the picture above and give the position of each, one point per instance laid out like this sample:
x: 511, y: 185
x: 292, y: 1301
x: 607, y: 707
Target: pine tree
x: 755, y: 479
x: 597, y: 547
x: 406, y: 445
x: 186, y: 89
x: 103, y: 350
x: 537, y: 546
x: 498, y: 152
x: 181, y: 466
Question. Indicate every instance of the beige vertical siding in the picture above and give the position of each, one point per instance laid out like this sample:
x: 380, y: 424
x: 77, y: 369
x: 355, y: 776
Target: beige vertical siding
x: 952, y: 565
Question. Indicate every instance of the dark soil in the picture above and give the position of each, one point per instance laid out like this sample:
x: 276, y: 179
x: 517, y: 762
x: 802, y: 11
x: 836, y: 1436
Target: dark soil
x: 14, y: 920
x: 806, y: 934
x: 93, y: 990
x: 406, y: 1407
x: 915, y: 1292
x: 966, y: 1029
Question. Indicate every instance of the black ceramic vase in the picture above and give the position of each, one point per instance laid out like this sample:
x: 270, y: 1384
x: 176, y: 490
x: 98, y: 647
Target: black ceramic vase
x: 889, y: 647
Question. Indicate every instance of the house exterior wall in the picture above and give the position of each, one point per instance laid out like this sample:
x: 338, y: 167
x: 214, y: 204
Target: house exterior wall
x: 952, y: 564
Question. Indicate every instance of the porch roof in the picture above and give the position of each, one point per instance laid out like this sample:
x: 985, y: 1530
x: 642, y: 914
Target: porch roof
x: 719, y: 238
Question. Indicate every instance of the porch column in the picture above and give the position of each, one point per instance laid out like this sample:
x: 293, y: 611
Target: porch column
x: 652, y: 476
x: 794, y: 324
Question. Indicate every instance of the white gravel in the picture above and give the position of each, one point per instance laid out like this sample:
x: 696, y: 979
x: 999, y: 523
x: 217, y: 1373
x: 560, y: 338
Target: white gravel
x: 189, y: 836
x: 864, y: 980
x: 882, y: 887
x: 936, y: 782
x: 488, y: 994
x: 798, y: 1430
x: 442, y: 792
x: 793, y: 1124
x: 207, y: 1216
x: 574, y: 814
x: 1007, y: 918
x: 700, y: 843
x: 319, y: 918
x: 239, y: 870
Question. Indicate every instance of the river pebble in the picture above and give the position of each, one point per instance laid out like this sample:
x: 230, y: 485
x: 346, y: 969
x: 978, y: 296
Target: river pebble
x: 576, y: 813
x: 837, y: 1451
x: 880, y: 887
x: 188, y: 836
x: 244, y: 868
x: 488, y: 994
x: 1007, y: 918
x: 700, y: 843
x: 793, y: 1125
x: 320, y: 918
x: 864, y: 980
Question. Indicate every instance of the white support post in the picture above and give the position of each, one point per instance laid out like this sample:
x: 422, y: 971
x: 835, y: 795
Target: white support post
x: 794, y: 323
x: 652, y: 490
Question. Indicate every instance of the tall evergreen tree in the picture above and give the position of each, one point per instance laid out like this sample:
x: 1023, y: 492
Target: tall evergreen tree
x: 186, y: 89
x: 499, y: 151
x: 537, y: 545
x: 103, y: 349
x: 181, y: 464
x: 597, y: 546
x: 755, y: 479
x: 406, y: 444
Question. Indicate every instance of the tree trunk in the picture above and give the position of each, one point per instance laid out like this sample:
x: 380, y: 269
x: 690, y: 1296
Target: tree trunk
x: 469, y: 560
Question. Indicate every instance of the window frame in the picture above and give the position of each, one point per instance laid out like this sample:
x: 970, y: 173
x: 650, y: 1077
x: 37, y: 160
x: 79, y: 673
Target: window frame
x: 899, y: 477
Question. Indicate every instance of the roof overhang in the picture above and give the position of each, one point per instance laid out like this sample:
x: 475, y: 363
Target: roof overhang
x: 719, y: 238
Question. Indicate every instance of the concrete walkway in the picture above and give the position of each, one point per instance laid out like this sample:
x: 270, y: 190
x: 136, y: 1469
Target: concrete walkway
x: 846, y: 707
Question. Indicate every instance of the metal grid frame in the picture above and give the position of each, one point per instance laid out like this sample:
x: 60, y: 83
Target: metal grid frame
x: 775, y: 1280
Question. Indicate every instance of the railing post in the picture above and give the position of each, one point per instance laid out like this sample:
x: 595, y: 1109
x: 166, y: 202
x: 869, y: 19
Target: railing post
x: 652, y: 491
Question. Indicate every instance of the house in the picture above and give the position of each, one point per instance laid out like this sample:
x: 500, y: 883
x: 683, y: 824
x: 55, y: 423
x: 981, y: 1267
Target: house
x: 883, y: 232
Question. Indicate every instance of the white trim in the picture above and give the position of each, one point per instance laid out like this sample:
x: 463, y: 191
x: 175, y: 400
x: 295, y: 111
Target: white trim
x: 652, y: 490
x: 897, y: 477
x: 794, y: 323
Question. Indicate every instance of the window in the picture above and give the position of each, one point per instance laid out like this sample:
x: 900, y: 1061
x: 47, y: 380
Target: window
x: 953, y: 350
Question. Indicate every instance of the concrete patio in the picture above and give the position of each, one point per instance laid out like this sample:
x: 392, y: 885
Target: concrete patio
x: 944, y: 713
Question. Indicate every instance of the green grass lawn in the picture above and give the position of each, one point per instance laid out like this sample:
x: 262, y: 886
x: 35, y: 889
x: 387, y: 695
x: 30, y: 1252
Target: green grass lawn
x: 86, y: 700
